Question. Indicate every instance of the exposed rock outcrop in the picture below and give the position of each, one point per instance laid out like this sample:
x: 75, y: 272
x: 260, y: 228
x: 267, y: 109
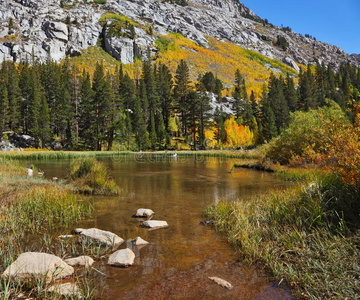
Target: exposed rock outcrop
x: 42, y: 26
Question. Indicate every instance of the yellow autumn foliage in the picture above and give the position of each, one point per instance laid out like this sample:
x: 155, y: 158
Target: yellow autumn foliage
x: 238, y: 135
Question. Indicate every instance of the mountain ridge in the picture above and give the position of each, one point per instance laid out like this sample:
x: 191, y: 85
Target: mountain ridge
x: 68, y: 27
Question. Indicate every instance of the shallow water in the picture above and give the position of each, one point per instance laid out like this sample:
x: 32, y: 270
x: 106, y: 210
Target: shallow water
x: 179, y: 260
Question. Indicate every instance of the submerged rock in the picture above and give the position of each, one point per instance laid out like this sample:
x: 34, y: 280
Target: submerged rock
x: 154, y: 224
x: 84, y: 261
x: 66, y: 289
x: 143, y: 213
x: 99, y: 236
x: 122, y: 258
x: 34, y: 265
x: 222, y: 282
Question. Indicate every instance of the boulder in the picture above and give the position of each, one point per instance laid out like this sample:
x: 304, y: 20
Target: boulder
x: 99, y: 236
x: 56, y: 30
x: 122, y: 258
x: 81, y: 261
x: 222, y: 282
x: 66, y: 289
x: 144, y: 213
x: 34, y: 265
x: 154, y: 224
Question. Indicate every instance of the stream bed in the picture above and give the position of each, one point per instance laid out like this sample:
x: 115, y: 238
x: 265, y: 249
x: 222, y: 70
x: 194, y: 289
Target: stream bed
x: 180, y: 258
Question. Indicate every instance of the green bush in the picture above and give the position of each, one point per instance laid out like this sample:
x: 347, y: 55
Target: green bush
x: 308, y: 131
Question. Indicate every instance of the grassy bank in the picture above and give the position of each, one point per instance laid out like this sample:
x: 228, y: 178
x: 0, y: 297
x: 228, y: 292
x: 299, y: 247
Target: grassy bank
x: 307, y: 236
x: 39, y: 155
x: 32, y: 210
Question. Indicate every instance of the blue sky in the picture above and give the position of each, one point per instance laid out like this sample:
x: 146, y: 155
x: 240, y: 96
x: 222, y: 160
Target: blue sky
x: 335, y: 22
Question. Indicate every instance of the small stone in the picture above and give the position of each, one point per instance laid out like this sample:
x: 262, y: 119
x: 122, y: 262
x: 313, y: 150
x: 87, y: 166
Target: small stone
x: 64, y: 237
x: 154, y: 224
x: 139, y: 241
x: 222, y: 282
x: 144, y: 213
x: 122, y: 258
x: 83, y: 261
x: 66, y: 289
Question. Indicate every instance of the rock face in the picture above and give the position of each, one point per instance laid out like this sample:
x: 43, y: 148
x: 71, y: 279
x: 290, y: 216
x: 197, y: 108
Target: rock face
x: 99, y: 236
x: 83, y: 261
x: 122, y: 258
x: 144, y: 213
x: 32, y: 265
x: 154, y: 224
x: 47, y: 25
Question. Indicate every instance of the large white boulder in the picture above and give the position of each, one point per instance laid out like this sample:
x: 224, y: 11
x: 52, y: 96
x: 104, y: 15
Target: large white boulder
x: 122, y: 258
x: 99, y: 236
x: 34, y: 265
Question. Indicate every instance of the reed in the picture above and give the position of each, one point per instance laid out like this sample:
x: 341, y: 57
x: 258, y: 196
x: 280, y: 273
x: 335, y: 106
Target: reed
x: 301, y: 234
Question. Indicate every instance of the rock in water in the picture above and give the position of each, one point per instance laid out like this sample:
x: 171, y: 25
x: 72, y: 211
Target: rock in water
x: 154, y: 224
x: 34, y: 265
x: 139, y: 241
x: 67, y: 290
x: 144, y: 213
x: 99, y: 236
x: 222, y: 282
x: 122, y: 258
x: 84, y: 261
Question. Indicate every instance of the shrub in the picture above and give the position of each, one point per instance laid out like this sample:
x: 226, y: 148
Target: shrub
x: 282, y: 42
x: 307, y: 134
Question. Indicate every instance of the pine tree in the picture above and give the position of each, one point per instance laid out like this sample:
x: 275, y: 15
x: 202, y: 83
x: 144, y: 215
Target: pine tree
x: 4, y: 105
x: 308, y: 97
x: 290, y: 94
x: 268, y: 125
x: 277, y: 102
x: 44, y: 121
x: 141, y: 134
x: 14, y: 96
x: 182, y: 85
x: 86, y: 113
x: 102, y: 99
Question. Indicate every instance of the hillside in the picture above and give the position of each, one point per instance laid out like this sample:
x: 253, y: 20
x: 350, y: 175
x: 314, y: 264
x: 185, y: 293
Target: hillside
x: 215, y: 33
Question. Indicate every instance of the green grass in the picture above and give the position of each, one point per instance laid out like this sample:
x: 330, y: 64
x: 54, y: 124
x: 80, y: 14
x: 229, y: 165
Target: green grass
x: 42, y: 155
x: 31, y: 208
x: 307, y: 236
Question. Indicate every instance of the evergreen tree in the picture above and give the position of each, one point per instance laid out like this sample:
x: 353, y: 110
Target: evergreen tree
x: 103, y: 95
x: 277, y: 102
x: 291, y: 94
x: 86, y: 113
x: 4, y: 105
x: 182, y: 86
x: 141, y: 134
x: 308, y: 97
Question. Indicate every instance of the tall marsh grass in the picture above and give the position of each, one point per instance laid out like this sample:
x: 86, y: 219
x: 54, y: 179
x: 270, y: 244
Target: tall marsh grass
x: 306, y: 236
x: 92, y: 176
x: 30, y: 207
